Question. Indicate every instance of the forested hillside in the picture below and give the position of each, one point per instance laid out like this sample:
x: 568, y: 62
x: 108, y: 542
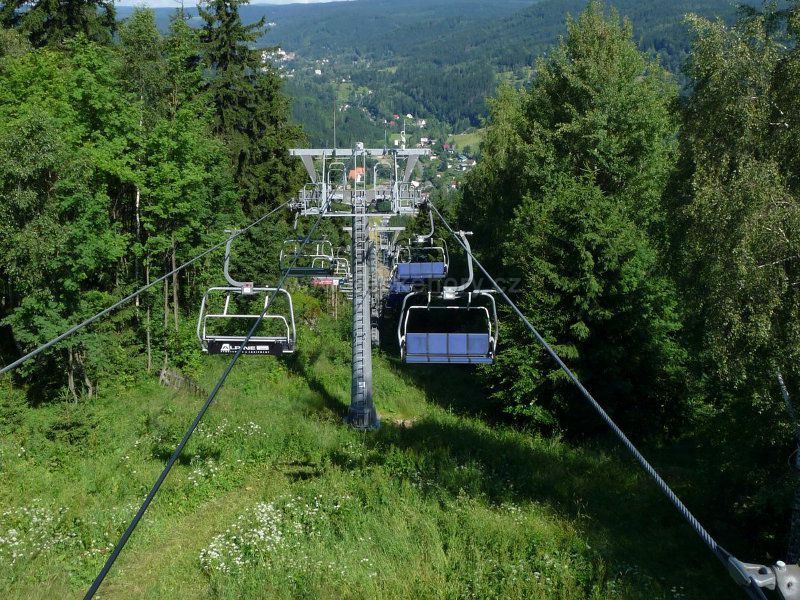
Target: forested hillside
x: 435, y: 59
x: 645, y: 221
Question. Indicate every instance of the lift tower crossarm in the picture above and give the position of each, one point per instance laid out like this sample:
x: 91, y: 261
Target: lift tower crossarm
x: 246, y: 286
x: 349, y: 152
x: 376, y: 228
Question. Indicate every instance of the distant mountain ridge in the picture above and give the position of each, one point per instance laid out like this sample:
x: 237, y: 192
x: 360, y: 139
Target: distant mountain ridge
x: 437, y: 58
x: 507, y: 33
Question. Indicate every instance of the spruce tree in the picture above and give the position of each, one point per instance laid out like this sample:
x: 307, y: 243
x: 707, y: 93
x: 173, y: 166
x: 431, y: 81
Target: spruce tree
x: 50, y: 22
x: 567, y: 199
x: 251, y: 111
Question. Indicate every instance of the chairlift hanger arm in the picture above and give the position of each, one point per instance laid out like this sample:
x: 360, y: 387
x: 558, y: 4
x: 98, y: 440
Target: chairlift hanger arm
x: 421, y: 239
x: 449, y: 291
x: 226, y: 262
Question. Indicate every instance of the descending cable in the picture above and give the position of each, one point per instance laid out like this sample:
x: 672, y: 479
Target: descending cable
x: 734, y: 567
x: 168, y: 467
x: 138, y: 292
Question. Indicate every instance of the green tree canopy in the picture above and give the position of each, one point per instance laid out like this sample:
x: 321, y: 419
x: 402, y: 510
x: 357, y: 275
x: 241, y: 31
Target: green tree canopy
x: 735, y: 239
x: 51, y: 22
x: 60, y: 243
x: 570, y: 184
x: 250, y: 110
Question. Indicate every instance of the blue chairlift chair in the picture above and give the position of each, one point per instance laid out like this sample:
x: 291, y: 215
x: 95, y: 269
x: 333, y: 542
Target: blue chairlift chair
x: 459, y: 331
x: 454, y: 326
x: 423, y: 259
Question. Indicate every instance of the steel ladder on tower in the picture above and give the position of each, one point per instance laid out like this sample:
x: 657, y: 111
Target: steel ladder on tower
x: 361, y: 413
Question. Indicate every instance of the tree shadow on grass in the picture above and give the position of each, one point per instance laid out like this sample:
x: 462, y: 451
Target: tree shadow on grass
x: 618, y: 501
x: 456, y: 388
x: 300, y: 368
x: 615, y: 506
x: 299, y: 470
x: 618, y: 510
x: 162, y: 451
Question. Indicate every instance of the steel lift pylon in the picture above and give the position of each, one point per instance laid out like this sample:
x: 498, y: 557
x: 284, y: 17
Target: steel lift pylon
x: 361, y: 414
x: 330, y: 195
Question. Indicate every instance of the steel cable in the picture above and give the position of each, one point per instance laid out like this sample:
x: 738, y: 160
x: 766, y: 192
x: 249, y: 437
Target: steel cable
x: 105, y: 311
x: 179, y: 449
x: 731, y: 564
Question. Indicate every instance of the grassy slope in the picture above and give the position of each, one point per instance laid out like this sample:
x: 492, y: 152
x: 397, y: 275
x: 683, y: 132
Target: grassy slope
x: 437, y: 504
x: 472, y: 139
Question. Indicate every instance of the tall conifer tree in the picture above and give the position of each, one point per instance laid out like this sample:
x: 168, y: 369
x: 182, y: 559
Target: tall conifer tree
x: 567, y: 199
x: 251, y: 111
x: 50, y: 22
